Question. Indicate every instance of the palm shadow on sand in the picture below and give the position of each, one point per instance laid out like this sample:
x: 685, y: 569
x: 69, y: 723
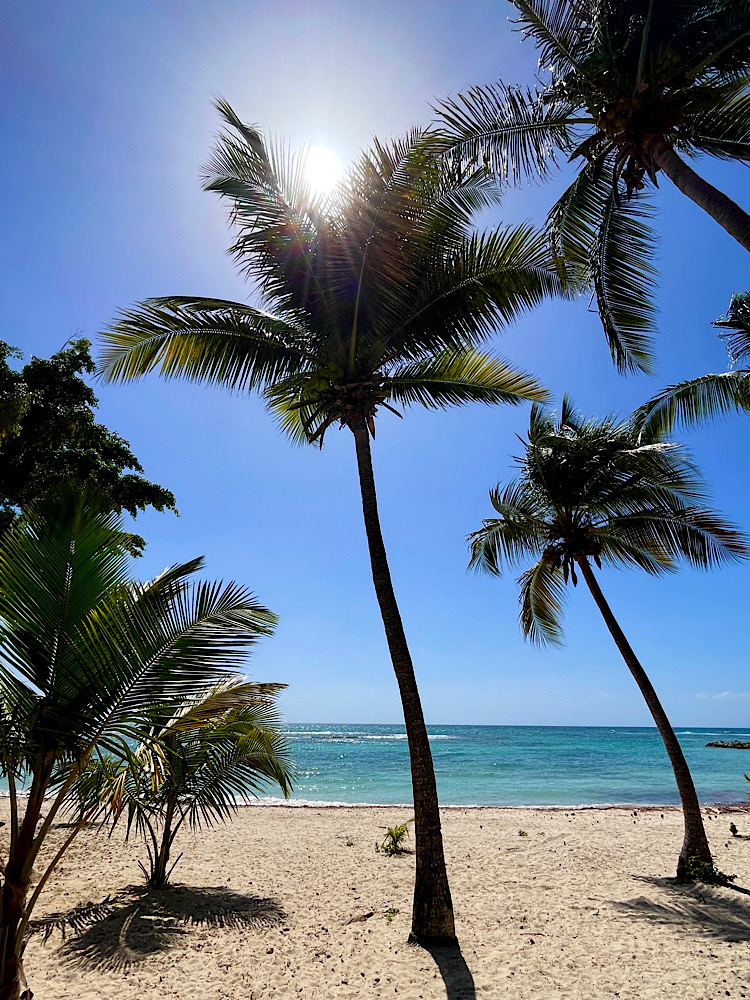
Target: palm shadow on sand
x: 456, y: 975
x: 710, y: 911
x: 128, y: 928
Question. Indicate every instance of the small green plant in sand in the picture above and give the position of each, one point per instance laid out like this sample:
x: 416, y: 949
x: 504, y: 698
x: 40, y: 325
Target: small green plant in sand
x: 393, y: 842
x: 390, y: 913
x: 349, y: 842
x: 522, y: 833
x: 702, y: 871
x: 733, y: 830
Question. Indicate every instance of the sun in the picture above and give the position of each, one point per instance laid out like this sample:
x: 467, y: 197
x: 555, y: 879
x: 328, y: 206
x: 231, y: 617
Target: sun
x: 323, y: 169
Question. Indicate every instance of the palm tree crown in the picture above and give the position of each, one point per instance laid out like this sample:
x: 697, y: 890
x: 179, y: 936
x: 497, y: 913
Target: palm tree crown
x: 375, y: 296
x: 630, y: 85
x: 596, y: 490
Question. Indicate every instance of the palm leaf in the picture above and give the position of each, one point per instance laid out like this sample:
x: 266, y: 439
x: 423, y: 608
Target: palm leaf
x: 609, y: 248
x: 458, y: 377
x: 559, y: 28
x: 511, y: 130
x: 542, y: 597
x: 204, y: 340
x: 693, y: 402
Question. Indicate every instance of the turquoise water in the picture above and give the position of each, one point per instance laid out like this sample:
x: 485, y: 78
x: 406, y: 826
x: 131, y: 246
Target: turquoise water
x: 513, y: 765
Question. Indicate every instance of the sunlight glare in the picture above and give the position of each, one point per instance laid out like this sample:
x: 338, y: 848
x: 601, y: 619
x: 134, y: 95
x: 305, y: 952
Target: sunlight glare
x: 323, y: 169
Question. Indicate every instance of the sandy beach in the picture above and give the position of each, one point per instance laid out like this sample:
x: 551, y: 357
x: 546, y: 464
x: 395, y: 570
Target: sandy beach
x: 295, y: 902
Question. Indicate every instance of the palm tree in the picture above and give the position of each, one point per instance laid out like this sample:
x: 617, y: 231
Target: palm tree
x: 631, y: 85
x: 85, y: 654
x: 374, y: 297
x: 708, y: 396
x: 192, y: 766
x: 596, y: 491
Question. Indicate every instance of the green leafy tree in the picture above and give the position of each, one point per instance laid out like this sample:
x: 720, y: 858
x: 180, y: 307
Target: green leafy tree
x: 85, y: 655
x: 592, y: 492
x: 48, y: 435
x: 709, y: 396
x: 629, y: 88
x: 374, y: 297
x: 193, y: 766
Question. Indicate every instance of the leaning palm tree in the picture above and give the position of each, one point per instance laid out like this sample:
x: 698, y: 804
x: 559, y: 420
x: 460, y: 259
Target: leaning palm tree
x: 85, y: 655
x: 595, y: 492
x: 628, y: 86
x: 704, y: 398
x: 193, y: 766
x: 374, y: 297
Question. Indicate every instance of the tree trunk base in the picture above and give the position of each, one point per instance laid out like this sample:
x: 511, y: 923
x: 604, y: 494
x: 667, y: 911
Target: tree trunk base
x: 430, y: 941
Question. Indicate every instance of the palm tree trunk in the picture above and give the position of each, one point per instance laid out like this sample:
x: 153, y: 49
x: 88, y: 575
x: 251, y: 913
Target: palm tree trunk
x: 158, y: 877
x: 722, y: 209
x: 432, y: 914
x: 695, y: 843
x: 17, y: 877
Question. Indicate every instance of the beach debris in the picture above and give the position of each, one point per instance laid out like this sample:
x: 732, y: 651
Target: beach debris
x: 359, y: 918
x: 733, y: 829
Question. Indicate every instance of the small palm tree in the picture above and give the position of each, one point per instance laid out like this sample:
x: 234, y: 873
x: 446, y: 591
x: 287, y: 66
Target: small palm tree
x: 193, y: 766
x: 632, y: 84
x: 709, y: 396
x: 85, y: 654
x: 375, y: 297
x: 595, y: 491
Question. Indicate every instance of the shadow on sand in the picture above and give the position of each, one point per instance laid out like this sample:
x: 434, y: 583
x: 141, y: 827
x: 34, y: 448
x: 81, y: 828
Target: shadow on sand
x: 123, y: 930
x: 713, y: 912
x: 458, y: 980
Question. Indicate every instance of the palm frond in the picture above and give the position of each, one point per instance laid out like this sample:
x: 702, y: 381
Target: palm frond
x: 737, y: 319
x: 608, y: 247
x: 542, y: 597
x: 559, y: 28
x: 457, y: 377
x: 519, y: 531
x: 511, y: 130
x: 695, y: 401
x: 203, y: 340
x: 722, y: 128
x: 487, y: 283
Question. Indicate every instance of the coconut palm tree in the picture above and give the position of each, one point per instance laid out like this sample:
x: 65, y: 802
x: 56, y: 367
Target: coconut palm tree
x: 709, y: 396
x: 629, y: 88
x: 373, y: 297
x: 591, y: 492
x: 192, y: 766
x: 85, y: 655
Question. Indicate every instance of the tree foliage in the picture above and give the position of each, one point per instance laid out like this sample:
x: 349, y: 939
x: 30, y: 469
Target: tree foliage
x: 603, y: 491
x: 707, y: 397
x: 49, y: 435
x: 192, y: 765
x: 618, y: 80
x: 378, y: 294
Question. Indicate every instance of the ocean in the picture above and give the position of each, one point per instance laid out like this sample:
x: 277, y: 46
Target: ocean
x: 512, y: 765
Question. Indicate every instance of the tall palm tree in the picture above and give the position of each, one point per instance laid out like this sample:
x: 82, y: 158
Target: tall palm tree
x: 628, y: 86
x: 374, y: 297
x: 709, y: 396
x: 192, y: 766
x: 595, y: 491
x: 85, y: 655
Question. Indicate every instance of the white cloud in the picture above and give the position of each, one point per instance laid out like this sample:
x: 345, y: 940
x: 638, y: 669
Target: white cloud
x: 724, y: 695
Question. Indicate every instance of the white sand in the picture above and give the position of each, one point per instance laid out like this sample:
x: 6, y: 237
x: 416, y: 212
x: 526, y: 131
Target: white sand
x: 584, y: 911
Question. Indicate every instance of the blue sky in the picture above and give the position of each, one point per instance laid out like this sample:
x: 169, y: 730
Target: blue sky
x: 107, y: 117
